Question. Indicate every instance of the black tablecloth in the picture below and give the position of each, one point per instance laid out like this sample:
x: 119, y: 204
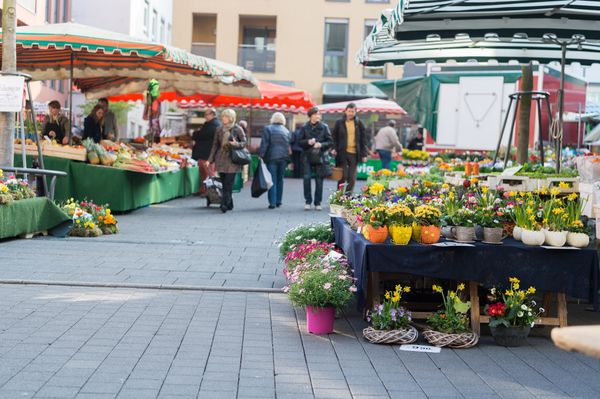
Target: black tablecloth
x: 574, y: 272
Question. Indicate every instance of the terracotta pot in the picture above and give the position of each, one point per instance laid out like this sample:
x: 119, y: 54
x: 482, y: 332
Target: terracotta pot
x: 377, y: 235
x: 493, y: 234
x: 464, y: 234
x: 533, y: 238
x: 400, y: 234
x: 517, y: 231
x: 430, y: 234
x: 416, y: 232
x: 555, y: 238
x: 578, y: 240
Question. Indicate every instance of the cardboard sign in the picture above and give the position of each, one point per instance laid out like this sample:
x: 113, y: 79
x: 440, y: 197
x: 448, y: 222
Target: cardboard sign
x: 420, y: 348
x: 511, y: 171
x: 11, y: 93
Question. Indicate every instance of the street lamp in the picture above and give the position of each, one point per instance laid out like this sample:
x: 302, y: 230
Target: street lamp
x: 557, y: 134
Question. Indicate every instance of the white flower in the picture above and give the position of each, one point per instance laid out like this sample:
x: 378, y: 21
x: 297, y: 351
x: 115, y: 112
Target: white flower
x: 520, y: 314
x: 493, y: 291
x: 532, y: 324
x: 542, y: 310
x: 524, y: 307
x: 529, y: 314
x: 533, y: 303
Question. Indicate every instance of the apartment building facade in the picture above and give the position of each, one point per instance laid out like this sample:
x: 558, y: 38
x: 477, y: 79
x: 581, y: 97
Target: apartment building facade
x: 308, y: 44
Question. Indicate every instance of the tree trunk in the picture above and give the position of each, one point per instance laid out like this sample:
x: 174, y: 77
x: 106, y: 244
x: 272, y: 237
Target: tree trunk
x: 9, y: 64
x: 524, y: 115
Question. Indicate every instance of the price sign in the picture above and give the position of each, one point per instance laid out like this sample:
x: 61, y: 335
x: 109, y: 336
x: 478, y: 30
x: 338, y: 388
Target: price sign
x: 11, y: 93
x: 420, y: 348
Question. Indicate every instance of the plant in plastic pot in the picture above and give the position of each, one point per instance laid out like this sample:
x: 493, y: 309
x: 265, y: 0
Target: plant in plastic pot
x: 322, y: 287
x: 390, y: 322
x: 375, y: 226
x: 513, y: 314
x: 449, y: 326
x: 577, y: 235
x: 555, y: 218
x: 428, y: 218
x: 529, y: 217
x: 400, y: 219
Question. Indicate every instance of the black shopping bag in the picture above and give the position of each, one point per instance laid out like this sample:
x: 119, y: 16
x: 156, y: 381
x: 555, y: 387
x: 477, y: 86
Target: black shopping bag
x: 262, y: 181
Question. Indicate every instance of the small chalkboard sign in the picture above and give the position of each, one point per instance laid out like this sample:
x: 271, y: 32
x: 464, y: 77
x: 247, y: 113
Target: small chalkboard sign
x: 11, y: 93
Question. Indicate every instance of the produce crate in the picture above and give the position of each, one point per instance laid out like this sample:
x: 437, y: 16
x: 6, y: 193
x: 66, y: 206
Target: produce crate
x: 76, y: 154
x: 487, y: 180
x: 553, y: 182
x: 397, y: 183
x: 513, y: 183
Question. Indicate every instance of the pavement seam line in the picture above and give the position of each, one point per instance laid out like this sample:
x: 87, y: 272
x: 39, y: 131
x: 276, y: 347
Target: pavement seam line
x: 164, y: 287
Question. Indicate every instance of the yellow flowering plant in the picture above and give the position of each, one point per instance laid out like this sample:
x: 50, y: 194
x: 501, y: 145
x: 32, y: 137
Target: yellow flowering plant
x: 400, y: 215
x: 427, y: 215
x: 452, y: 318
x: 377, y: 216
x: 389, y: 315
x: 514, y: 306
x: 573, y: 208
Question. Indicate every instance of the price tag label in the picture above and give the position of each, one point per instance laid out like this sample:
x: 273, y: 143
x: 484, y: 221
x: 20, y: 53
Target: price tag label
x: 420, y: 348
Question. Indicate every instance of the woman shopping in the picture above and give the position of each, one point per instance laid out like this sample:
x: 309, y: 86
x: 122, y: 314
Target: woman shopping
x: 228, y: 137
x: 56, y: 126
x: 275, y: 151
x: 93, y: 126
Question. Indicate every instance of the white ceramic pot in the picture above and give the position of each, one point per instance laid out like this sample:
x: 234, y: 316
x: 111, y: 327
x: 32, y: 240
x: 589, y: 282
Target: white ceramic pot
x: 532, y: 237
x: 517, y: 231
x: 555, y: 238
x: 578, y: 240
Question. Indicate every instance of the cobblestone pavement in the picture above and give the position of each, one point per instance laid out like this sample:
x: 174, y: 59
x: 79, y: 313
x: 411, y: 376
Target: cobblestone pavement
x: 84, y: 342
x: 61, y: 342
x: 179, y: 242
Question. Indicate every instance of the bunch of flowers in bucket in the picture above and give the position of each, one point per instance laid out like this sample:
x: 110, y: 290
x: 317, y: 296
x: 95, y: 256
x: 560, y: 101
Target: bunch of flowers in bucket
x: 390, y: 322
x: 449, y: 326
x: 13, y: 189
x: 317, y: 232
x: 89, y: 219
x: 513, y: 314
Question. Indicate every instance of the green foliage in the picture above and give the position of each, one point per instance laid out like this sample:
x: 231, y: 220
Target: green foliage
x: 452, y: 319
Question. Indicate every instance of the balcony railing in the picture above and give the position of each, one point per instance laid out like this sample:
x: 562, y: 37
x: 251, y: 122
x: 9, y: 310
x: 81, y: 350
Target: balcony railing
x: 257, y: 58
x: 208, y: 50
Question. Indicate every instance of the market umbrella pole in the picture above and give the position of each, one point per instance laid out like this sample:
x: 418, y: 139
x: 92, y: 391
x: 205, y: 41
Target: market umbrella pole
x: 9, y: 66
x: 71, y: 100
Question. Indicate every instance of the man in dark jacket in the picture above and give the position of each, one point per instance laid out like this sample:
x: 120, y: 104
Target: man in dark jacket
x: 203, y: 141
x: 315, y: 140
x: 350, y: 145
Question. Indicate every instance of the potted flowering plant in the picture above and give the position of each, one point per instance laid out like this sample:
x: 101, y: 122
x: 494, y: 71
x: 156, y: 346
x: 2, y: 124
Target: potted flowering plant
x: 375, y: 228
x: 451, y: 204
x: 464, y: 220
x: 309, y: 252
x: 554, y: 220
x: 449, y: 326
x: 429, y: 219
x: 513, y: 315
x: 400, y: 219
x: 577, y: 233
x: 531, y: 219
x: 492, y: 220
x: 336, y: 200
x: 316, y: 232
x: 322, y: 287
x: 390, y: 322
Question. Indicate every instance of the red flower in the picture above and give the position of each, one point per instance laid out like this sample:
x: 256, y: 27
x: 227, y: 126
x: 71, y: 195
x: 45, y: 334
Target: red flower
x: 496, y: 309
x: 466, y: 184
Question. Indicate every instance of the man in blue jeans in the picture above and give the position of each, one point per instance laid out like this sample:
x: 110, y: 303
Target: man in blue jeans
x: 315, y: 140
x: 275, y: 151
x: 386, y: 141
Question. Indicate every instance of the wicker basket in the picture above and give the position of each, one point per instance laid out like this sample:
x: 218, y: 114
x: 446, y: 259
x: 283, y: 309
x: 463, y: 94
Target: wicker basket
x: 337, y: 174
x: 457, y: 341
x: 404, y: 336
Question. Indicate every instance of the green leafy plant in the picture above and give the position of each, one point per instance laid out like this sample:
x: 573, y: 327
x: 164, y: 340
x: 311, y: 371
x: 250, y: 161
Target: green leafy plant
x: 389, y: 315
x: 515, y: 307
x: 452, y: 318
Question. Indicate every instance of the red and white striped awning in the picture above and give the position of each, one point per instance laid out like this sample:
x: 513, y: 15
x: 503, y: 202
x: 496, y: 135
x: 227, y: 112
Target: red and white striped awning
x: 365, y: 105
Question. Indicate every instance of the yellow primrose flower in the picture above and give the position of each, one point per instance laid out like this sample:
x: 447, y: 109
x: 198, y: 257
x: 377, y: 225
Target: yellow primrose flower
x: 3, y: 188
x: 445, y: 186
x: 461, y: 287
x: 376, y: 189
x: 512, y: 194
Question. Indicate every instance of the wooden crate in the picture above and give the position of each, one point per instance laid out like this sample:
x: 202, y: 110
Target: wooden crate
x: 513, y: 183
x: 76, y: 154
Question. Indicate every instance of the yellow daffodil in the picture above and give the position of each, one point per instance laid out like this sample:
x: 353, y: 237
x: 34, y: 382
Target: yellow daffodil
x: 509, y: 293
x: 572, y: 197
x: 387, y: 295
x: 484, y: 189
x: 531, y: 290
x: 461, y: 287
x: 562, y: 184
x: 516, y: 286
x: 555, y: 191
x: 406, y: 289
x: 398, y: 287
x: 514, y: 280
x: 436, y: 288
x: 452, y: 294
x: 396, y: 298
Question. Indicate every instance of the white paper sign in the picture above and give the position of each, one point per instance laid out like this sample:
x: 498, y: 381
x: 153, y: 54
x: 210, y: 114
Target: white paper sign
x: 333, y: 255
x: 420, y: 348
x: 512, y: 171
x: 452, y: 244
x: 11, y: 93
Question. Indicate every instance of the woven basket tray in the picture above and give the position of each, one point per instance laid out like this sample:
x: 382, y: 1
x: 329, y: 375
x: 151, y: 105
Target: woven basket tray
x: 457, y: 341
x: 405, y: 336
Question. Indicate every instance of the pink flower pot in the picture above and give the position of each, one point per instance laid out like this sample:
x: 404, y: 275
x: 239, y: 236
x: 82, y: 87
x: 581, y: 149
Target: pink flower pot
x: 320, y: 320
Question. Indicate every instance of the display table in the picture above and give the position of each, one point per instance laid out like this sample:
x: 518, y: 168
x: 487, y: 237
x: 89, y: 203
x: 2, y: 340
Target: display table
x: 30, y: 216
x: 564, y: 271
x: 123, y: 190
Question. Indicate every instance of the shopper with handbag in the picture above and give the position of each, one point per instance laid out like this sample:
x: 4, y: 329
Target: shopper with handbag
x: 316, y: 141
x: 275, y: 151
x: 228, y: 153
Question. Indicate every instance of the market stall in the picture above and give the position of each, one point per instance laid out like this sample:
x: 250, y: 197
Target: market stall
x: 32, y: 215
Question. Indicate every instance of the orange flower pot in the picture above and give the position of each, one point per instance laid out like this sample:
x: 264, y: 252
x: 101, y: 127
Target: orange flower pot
x: 377, y: 235
x: 430, y: 234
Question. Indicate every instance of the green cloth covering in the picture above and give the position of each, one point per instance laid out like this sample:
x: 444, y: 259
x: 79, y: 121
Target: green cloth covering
x: 419, y: 96
x: 122, y: 190
x: 30, y: 216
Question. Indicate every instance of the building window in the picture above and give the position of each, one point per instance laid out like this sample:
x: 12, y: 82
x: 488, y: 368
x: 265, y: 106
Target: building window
x: 162, y: 30
x: 53, y: 84
x: 336, y: 47
x: 48, y: 12
x: 132, y: 129
x: 146, y: 16
x: 372, y: 73
x: 154, y: 25
x: 56, y: 11
x: 378, y: 1
x: 168, y: 34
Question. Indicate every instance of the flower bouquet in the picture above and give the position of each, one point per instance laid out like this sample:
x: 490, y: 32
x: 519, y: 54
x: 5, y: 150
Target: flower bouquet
x: 428, y: 218
x: 390, y: 322
x: 513, y: 315
x: 449, y: 326
x: 322, y: 287
x: 400, y: 219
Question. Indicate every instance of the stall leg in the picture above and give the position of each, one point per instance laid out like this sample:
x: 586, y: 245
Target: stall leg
x: 475, y: 312
x: 562, y: 309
